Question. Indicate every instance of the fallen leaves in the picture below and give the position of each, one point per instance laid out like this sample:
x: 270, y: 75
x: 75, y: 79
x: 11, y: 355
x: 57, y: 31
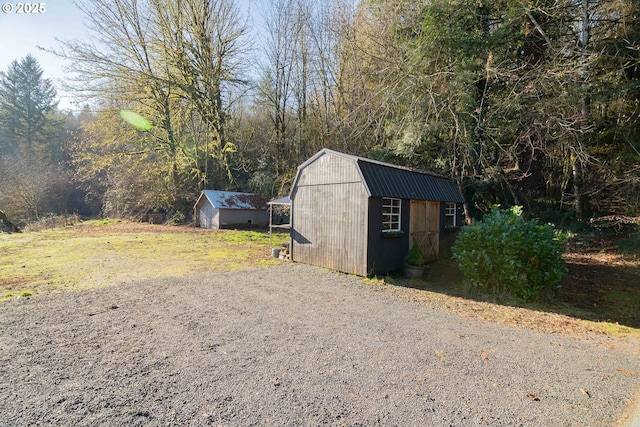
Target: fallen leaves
x: 626, y: 373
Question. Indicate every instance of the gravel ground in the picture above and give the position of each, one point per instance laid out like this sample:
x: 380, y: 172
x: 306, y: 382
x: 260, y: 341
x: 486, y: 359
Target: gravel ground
x: 293, y: 345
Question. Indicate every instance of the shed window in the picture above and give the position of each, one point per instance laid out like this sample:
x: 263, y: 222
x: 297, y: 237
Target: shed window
x: 450, y: 217
x: 390, y: 214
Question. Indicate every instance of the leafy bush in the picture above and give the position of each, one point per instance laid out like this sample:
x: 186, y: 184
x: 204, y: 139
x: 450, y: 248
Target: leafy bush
x: 503, y: 253
x: 414, y: 257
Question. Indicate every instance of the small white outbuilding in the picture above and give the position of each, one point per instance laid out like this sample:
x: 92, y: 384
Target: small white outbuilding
x: 230, y: 209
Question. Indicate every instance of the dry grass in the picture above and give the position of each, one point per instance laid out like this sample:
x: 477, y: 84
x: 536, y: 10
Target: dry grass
x: 600, y: 295
x: 99, y: 253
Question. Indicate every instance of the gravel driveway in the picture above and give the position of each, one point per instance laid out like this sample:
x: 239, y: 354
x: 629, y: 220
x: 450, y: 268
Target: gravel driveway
x: 292, y: 345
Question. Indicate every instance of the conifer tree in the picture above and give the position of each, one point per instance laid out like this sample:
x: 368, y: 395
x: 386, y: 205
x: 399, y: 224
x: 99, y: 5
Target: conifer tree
x: 27, y: 101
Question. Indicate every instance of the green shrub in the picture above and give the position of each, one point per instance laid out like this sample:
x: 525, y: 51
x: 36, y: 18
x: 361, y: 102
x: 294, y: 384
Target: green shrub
x: 414, y: 257
x: 503, y: 253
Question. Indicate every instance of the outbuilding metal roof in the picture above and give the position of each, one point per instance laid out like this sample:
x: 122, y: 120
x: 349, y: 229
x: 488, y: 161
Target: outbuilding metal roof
x: 232, y: 200
x: 281, y: 201
x: 389, y: 180
x: 386, y: 180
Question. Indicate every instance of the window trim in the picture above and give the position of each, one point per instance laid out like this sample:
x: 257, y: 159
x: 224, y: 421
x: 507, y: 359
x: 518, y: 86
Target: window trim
x: 393, y: 217
x: 451, y: 210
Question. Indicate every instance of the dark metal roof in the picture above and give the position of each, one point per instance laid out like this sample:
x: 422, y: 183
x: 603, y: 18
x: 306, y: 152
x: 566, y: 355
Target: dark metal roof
x: 387, y: 180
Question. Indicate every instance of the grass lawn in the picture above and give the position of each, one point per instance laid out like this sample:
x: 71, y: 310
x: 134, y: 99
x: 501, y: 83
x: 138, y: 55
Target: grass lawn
x: 102, y: 253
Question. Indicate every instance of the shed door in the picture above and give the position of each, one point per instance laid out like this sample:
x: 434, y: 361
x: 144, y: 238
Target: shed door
x: 206, y: 215
x: 425, y: 227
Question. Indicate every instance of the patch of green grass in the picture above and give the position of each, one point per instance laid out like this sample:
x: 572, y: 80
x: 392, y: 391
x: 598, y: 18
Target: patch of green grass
x: 103, y: 222
x: 390, y: 279
x: 630, y: 246
x: 615, y: 329
x: 249, y: 236
x: 92, y: 255
x: 10, y: 294
x: 625, y: 302
x: 268, y: 262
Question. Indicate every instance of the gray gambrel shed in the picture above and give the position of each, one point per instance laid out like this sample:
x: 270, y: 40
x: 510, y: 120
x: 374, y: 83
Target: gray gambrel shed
x: 361, y: 216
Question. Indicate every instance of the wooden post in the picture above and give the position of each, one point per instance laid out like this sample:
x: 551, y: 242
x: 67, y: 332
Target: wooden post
x: 270, y: 226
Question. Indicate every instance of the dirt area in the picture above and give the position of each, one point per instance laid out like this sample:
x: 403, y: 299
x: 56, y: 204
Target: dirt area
x: 295, y: 345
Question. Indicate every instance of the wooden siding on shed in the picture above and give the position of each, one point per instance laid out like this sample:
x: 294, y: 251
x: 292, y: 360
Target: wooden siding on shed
x: 329, y: 228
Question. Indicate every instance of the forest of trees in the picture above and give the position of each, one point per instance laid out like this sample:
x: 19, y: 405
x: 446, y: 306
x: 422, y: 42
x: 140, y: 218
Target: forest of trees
x: 533, y: 102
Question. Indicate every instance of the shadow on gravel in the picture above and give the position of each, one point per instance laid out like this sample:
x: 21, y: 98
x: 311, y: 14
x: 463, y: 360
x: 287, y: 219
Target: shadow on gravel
x: 592, y: 290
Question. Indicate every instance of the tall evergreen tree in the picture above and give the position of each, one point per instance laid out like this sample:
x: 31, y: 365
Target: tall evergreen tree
x: 35, y: 178
x: 27, y: 101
